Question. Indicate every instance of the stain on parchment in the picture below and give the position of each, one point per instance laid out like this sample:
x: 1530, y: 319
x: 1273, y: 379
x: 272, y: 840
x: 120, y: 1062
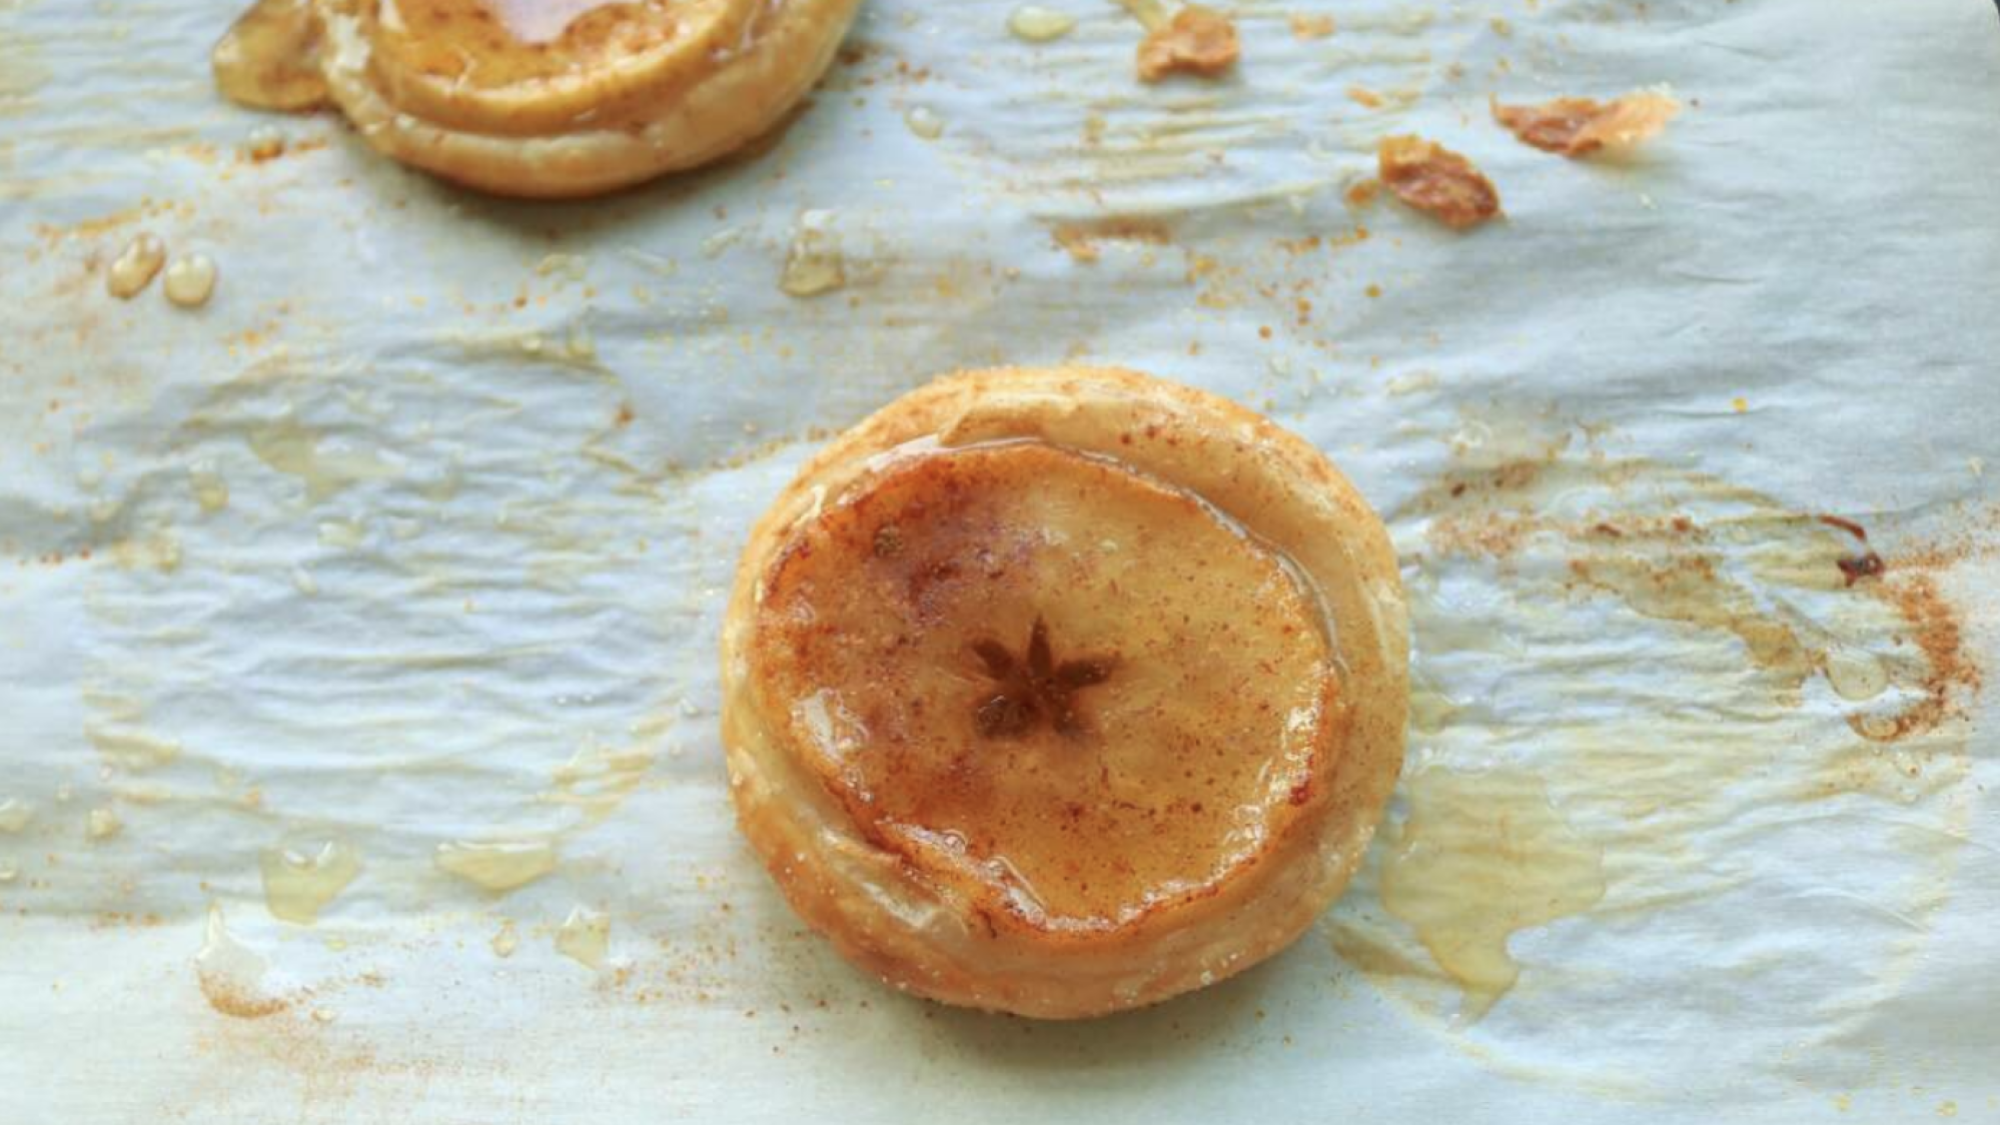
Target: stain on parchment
x: 1699, y: 682
x: 1694, y: 550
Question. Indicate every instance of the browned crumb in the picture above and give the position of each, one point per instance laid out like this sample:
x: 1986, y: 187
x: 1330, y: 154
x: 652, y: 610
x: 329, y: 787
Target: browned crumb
x: 1077, y: 242
x: 1198, y: 40
x: 1581, y: 126
x: 1312, y: 27
x: 1363, y: 96
x: 1080, y: 240
x: 1437, y: 181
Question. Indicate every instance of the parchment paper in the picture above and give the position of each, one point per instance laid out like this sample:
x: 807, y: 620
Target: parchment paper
x: 487, y: 466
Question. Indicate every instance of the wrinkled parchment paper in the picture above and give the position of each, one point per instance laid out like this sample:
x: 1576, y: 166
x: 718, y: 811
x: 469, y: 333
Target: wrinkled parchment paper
x: 418, y: 535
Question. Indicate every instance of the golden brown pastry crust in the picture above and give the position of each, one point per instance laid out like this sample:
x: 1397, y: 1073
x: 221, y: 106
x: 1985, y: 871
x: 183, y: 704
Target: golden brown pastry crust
x: 601, y: 106
x: 941, y: 930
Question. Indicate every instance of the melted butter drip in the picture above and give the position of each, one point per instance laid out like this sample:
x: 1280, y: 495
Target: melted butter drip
x: 211, y: 492
x: 135, y: 266
x: 270, y: 58
x: 290, y: 448
x: 585, y: 937
x: 1481, y: 857
x: 15, y: 815
x: 232, y: 976
x: 1856, y: 675
x: 596, y: 781
x: 130, y: 748
x: 1039, y: 25
x: 190, y: 280
x: 924, y: 122
x: 342, y: 535
x: 298, y: 885
x: 102, y: 824
x: 499, y: 866
x: 813, y: 264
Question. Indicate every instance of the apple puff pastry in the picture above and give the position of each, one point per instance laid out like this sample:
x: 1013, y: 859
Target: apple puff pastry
x: 1063, y: 691
x: 546, y: 98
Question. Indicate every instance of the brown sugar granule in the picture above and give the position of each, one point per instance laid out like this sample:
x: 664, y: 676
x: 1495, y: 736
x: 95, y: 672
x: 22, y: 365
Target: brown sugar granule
x: 1437, y: 181
x: 1581, y: 126
x: 1197, y: 40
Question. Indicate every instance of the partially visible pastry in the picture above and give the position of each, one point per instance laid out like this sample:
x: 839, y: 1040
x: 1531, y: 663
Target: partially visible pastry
x: 1063, y: 691
x: 548, y: 98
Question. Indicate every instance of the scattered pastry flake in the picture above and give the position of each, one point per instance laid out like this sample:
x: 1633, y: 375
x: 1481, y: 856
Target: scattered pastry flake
x: 1363, y: 96
x: 1311, y: 27
x: 1581, y: 126
x: 1197, y: 40
x: 1437, y: 181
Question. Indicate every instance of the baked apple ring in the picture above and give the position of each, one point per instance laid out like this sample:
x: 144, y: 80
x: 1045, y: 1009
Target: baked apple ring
x: 544, y: 98
x: 1063, y: 691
